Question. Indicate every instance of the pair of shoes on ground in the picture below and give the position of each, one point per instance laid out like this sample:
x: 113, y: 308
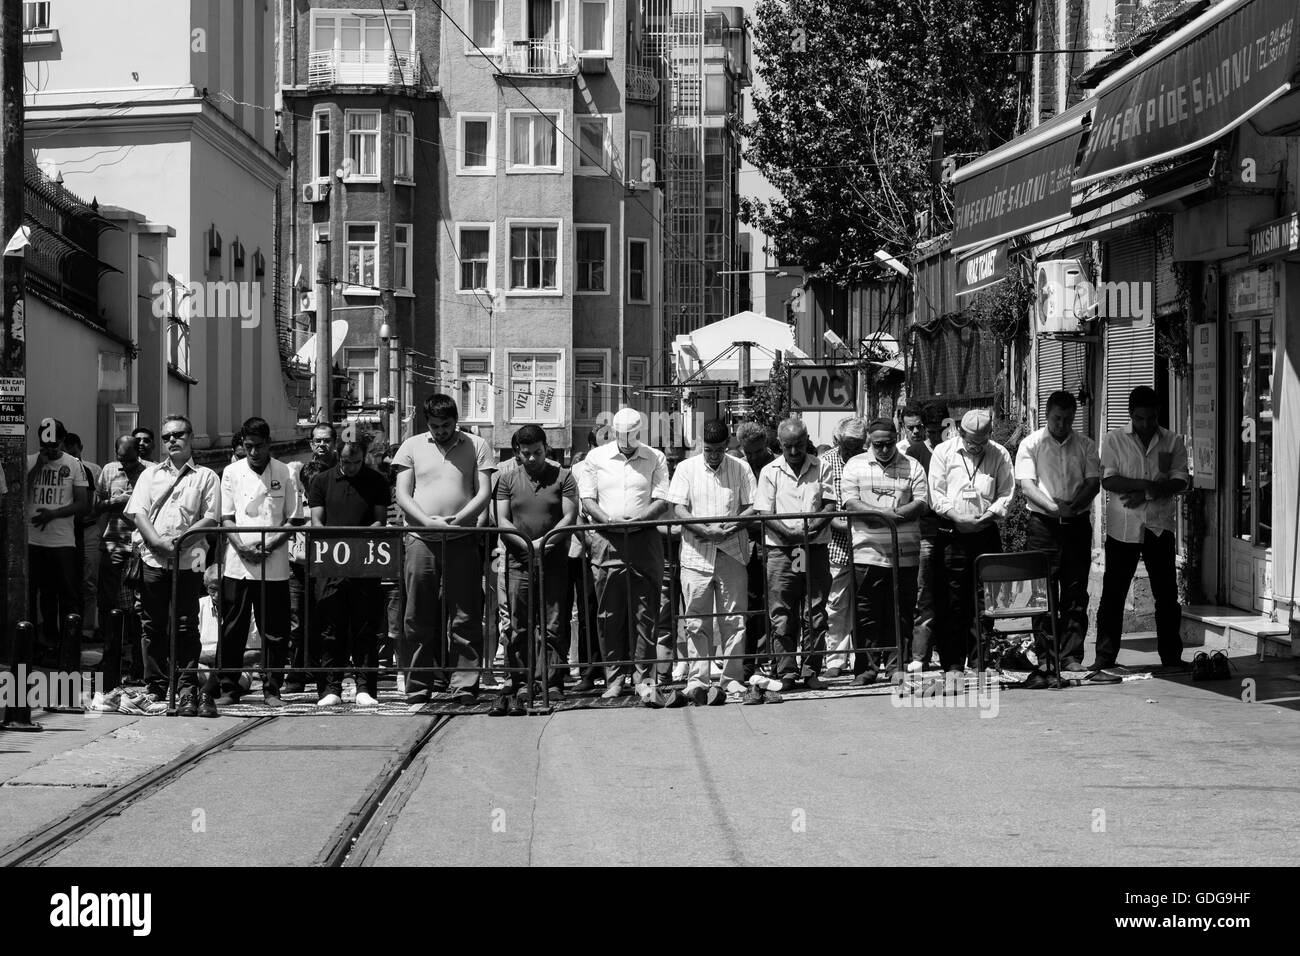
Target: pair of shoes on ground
x: 1214, y: 666
x: 362, y: 700
x: 512, y: 702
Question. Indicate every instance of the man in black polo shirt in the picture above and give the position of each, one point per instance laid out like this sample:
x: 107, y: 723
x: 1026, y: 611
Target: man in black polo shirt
x: 349, y: 495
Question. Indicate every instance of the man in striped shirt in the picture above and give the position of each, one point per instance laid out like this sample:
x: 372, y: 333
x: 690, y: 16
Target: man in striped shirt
x: 714, y: 561
x: 883, y: 482
x: 850, y: 435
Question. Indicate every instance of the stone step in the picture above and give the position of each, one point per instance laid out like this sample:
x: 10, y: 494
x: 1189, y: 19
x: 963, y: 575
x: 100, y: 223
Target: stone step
x: 1224, y: 628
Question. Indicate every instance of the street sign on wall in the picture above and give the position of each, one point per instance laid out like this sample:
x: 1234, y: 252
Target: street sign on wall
x: 823, y: 388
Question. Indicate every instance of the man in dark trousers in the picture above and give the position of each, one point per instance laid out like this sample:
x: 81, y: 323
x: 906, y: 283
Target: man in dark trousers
x: 533, y: 498
x: 1059, y: 474
x: 350, y: 495
x: 971, y: 485
x: 1143, y: 467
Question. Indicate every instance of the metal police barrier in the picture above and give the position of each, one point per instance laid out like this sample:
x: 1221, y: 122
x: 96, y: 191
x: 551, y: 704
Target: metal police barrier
x: 348, y: 554
x: 623, y: 569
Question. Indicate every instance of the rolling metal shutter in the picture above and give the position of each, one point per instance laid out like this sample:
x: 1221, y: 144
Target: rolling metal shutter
x: 1063, y: 365
x: 1130, y: 354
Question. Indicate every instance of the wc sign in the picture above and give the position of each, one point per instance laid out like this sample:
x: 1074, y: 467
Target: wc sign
x: 823, y: 388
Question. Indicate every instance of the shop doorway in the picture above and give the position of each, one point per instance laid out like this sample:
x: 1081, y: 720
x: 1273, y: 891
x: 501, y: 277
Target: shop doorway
x: 1250, y: 505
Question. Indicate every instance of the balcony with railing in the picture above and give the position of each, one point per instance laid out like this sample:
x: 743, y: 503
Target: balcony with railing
x: 642, y: 85
x: 538, y: 58
x: 363, y: 68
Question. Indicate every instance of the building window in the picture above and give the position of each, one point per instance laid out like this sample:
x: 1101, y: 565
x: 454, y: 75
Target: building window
x: 533, y: 140
x: 638, y: 151
x: 484, y: 23
x: 363, y: 373
x: 593, y: 154
x: 321, y: 145
x: 534, y: 258
x: 535, y: 387
x: 363, y: 255
x: 403, y: 146
x: 474, y: 379
x: 36, y: 16
x: 638, y: 270
x: 476, y: 155
x: 592, y: 254
x: 363, y: 143
x: 475, y: 247
x: 402, y: 257
x: 589, y: 372
x: 593, y: 28
x: 716, y: 102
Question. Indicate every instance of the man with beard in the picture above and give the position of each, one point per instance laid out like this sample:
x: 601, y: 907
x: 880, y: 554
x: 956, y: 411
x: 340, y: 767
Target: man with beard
x: 1059, y: 473
x: 533, y: 498
x: 886, y: 482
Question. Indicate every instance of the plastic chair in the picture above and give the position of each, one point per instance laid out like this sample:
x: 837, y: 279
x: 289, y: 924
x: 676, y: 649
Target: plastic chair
x: 1018, y: 567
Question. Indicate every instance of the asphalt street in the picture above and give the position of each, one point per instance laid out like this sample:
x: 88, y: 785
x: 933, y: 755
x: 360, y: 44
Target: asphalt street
x: 1150, y: 772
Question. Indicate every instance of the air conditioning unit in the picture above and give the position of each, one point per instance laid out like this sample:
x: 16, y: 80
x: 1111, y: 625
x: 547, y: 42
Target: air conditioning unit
x: 315, y: 192
x: 307, y: 302
x: 1065, y: 299
x: 593, y: 64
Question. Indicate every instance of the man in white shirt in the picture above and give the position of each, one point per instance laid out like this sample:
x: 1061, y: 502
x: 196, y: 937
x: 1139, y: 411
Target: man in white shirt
x: 798, y: 560
x: 1143, y: 467
x: 714, y: 562
x: 1059, y: 473
x: 260, y: 492
x: 885, y: 482
x: 970, y: 488
x: 171, y: 499
x: 627, y: 481
x: 57, y: 495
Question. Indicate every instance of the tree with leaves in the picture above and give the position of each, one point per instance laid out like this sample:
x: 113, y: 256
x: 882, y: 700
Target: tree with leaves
x: 850, y: 93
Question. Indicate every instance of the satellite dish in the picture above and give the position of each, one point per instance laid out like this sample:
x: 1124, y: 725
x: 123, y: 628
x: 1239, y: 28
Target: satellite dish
x: 307, y: 351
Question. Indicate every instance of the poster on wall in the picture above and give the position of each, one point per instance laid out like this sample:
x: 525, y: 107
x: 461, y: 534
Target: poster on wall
x: 1205, y: 403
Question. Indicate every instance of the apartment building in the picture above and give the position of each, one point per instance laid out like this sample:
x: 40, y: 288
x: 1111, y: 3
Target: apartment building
x: 550, y: 306
x: 169, y: 111
x: 359, y: 121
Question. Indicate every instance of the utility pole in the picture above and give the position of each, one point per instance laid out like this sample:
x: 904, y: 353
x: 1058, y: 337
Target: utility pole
x: 13, y: 344
x: 382, y: 391
x: 324, y: 351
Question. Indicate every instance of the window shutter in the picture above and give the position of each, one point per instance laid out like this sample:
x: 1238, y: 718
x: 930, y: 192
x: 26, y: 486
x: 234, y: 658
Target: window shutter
x: 1063, y: 365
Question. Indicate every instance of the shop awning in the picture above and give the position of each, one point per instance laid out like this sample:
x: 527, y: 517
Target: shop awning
x: 1204, y: 80
x: 1020, y: 186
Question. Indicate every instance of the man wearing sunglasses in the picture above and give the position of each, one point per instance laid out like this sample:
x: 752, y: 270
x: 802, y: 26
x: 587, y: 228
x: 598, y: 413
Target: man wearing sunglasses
x: 169, y: 500
x: 889, y: 483
x: 970, y: 488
